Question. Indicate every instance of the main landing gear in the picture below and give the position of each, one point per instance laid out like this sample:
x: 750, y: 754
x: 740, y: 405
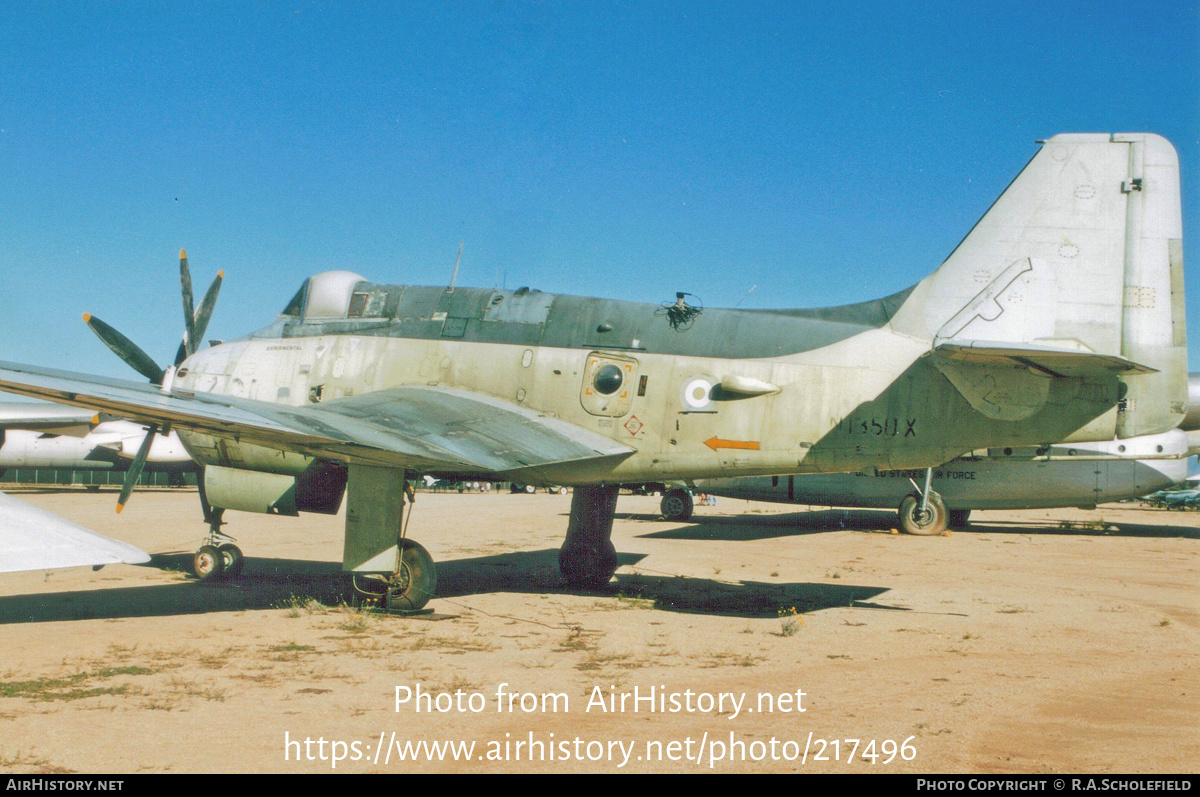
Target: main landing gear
x: 407, y: 589
x: 588, y: 559
x: 677, y: 505
x: 924, y: 513
x: 218, y: 557
x: 383, y: 565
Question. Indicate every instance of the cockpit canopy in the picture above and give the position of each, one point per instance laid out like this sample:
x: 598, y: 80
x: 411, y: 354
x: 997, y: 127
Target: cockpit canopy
x: 327, y: 295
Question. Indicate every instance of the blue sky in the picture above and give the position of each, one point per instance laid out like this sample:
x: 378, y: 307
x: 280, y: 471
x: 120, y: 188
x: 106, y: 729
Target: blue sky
x: 772, y: 154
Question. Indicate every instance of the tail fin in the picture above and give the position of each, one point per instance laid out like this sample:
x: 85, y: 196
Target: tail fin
x: 1083, y: 252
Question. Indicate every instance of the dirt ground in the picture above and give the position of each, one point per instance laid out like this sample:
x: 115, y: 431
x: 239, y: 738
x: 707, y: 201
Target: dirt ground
x: 1039, y: 641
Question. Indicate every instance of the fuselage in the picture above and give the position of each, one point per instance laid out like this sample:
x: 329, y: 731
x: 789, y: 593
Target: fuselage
x: 1081, y: 475
x: 109, y: 446
x: 732, y: 392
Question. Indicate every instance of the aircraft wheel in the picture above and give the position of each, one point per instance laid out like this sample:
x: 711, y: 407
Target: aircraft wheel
x: 677, y: 505
x: 208, y: 563
x: 415, y: 582
x: 233, y: 559
x: 959, y: 518
x: 588, y: 568
x: 929, y: 523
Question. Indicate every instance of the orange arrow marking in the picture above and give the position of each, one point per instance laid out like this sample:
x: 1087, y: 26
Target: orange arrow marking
x: 715, y: 442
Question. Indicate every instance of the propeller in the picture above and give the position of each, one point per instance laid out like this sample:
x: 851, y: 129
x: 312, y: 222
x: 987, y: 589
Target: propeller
x: 195, y: 322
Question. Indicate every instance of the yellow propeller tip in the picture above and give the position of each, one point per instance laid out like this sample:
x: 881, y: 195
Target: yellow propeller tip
x: 87, y: 317
x: 182, y: 254
x: 119, y: 508
x: 221, y: 273
x: 96, y: 418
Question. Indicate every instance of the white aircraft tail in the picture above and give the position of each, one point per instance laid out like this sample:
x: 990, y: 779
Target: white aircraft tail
x: 1076, y: 268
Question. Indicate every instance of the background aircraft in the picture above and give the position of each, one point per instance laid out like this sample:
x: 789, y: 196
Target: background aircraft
x: 1081, y: 475
x: 1175, y: 499
x: 54, y: 436
x: 1058, y: 318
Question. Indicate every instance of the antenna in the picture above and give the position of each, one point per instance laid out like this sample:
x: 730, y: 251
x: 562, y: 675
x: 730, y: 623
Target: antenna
x: 454, y: 274
x: 747, y: 296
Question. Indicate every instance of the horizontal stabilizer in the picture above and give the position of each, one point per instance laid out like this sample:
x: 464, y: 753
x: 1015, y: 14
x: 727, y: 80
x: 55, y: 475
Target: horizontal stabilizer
x: 1050, y: 360
x: 34, y: 539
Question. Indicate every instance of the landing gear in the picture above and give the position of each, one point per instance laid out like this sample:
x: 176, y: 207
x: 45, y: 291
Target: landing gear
x: 383, y: 564
x: 677, y: 504
x: 927, y: 522
x: 406, y: 590
x: 415, y: 580
x: 208, y: 563
x: 588, y: 558
x: 218, y: 557
x: 233, y: 559
x: 959, y: 518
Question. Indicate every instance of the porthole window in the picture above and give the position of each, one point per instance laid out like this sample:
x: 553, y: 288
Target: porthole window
x: 608, y: 379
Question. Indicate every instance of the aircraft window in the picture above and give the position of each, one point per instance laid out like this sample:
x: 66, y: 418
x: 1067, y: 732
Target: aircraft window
x: 367, y: 304
x: 296, y: 306
x: 608, y: 379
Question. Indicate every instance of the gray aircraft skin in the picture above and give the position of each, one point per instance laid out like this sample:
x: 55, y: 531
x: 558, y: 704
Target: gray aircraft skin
x: 1080, y: 475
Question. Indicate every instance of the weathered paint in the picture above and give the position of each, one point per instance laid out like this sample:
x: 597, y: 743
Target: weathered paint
x: 1049, y: 265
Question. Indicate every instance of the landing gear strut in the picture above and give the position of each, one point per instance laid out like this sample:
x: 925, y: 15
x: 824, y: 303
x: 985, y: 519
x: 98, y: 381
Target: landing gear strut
x: 923, y: 513
x: 588, y: 559
x: 382, y: 563
x: 218, y: 557
x: 406, y: 590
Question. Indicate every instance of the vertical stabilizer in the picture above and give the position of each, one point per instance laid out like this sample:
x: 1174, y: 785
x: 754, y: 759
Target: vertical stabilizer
x: 1083, y: 252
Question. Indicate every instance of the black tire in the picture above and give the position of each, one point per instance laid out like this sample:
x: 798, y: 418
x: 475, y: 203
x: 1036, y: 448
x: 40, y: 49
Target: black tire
x: 415, y: 582
x: 586, y: 568
x: 929, y: 524
x: 677, y: 505
x: 233, y: 559
x: 959, y: 518
x: 208, y: 564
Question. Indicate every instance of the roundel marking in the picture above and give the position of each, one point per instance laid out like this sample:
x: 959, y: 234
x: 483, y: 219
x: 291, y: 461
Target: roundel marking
x: 697, y: 393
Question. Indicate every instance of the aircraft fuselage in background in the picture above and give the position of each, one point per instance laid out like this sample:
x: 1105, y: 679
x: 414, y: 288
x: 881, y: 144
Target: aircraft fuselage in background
x: 1080, y: 475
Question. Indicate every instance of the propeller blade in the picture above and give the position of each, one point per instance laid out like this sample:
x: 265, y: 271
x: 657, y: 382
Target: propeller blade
x: 205, y: 310
x: 189, y: 311
x: 135, y: 469
x: 126, y: 349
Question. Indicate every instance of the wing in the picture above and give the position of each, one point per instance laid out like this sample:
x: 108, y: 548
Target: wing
x: 431, y: 429
x: 51, y: 418
x: 34, y: 539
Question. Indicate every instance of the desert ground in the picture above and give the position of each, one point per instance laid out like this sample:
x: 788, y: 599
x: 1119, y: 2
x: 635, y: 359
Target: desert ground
x: 1032, y: 641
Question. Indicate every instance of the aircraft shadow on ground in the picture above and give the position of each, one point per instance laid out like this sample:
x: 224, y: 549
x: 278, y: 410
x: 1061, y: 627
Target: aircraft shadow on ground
x: 537, y: 572
x: 745, y: 528
x: 274, y: 583
x: 1081, y: 529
